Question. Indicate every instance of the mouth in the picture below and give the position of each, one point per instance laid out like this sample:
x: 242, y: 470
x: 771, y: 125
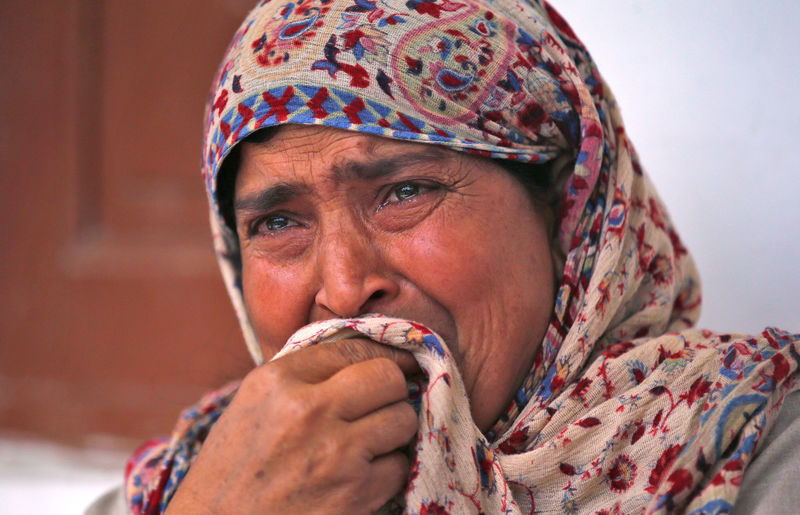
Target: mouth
x: 439, y: 329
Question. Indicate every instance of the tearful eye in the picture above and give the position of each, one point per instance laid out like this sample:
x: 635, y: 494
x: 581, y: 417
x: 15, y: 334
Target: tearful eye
x: 406, y: 191
x: 272, y: 223
x: 411, y: 196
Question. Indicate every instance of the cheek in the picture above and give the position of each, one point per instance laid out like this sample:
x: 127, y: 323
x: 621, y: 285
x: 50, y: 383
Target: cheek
x: 459, y: 264
x: 468, y: 254
x: 277, y: 304
x: 446, y: 265
x: 490, y: 268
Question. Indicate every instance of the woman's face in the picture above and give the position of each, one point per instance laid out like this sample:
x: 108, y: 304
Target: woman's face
x: 335, y: 223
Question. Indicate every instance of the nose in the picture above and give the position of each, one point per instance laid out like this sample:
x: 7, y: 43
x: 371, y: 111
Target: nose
x: 354, y: 279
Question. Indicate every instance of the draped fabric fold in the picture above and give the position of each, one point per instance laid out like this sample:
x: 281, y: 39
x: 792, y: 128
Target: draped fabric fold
x: 655, y: 425
x: 626, y: 409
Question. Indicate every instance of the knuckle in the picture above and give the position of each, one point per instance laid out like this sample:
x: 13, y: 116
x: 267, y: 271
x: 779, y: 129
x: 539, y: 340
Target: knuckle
x: 292, y: 399
x: 270, y: 375
x: 293, y: 406
x: 254, y: 382
x: 407, y: 420
x: 389, y: 374
x: 409, y: 415
x: 331, y: 458
x: 302, y: 406
x: 330, y: 450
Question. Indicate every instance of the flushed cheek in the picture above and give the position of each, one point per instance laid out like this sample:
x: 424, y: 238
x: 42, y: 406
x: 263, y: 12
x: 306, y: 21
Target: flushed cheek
x: 483, y: 264
x: 451, y: 270
x: 277, y: 303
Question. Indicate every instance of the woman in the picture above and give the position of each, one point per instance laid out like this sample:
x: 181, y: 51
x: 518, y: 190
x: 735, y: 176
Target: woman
x: 531, y: 300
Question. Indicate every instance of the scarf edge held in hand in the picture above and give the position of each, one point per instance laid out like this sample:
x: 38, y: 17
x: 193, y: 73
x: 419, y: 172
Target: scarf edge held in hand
x: 616, y: 428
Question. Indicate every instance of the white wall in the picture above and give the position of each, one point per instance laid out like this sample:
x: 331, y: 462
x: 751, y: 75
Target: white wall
x: 44, y: 478
x: 710, y: 95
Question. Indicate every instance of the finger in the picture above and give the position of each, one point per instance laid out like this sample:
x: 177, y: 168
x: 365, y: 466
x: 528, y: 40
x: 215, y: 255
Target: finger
x: 365, y: 387
x: 388, y: 477
x: 319, y: 362
x: 363, y: 349
x: 385, y: 430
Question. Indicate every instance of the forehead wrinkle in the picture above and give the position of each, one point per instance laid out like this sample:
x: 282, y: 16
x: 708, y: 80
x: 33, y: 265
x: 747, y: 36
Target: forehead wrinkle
x: 382, y: 167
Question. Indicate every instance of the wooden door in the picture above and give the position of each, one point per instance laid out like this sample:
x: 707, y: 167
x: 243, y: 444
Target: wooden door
x: 113, y: 315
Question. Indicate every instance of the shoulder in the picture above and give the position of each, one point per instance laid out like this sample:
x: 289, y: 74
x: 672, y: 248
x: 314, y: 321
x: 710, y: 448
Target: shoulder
x: 769, y: 484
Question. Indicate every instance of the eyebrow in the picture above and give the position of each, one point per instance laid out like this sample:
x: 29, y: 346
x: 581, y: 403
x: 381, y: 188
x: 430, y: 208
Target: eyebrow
x: 387, y: 166
x: 283, y: 192
x: 269, y: 198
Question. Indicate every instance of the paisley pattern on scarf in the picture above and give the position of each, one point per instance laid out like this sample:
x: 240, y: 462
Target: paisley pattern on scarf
x: 626, y: 409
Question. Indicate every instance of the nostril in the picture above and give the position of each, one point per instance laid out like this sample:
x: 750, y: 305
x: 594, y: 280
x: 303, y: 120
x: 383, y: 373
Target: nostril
x: 369, y: 305
x: 377, y: 295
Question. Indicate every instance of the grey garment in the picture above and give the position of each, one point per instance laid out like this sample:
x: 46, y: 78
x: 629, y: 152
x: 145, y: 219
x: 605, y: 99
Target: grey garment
x: 110, y: 503
x: 770, y: 483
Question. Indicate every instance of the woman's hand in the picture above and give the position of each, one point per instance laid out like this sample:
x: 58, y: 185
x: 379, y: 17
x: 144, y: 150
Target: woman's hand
x: 316, y: 431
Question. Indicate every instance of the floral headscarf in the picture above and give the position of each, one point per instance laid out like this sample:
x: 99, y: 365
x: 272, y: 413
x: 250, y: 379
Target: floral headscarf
x: 621, y: 412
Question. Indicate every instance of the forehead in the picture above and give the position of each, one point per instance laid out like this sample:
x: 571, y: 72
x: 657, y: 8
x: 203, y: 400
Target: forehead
x: 317, y: 138
x: 300, y: 153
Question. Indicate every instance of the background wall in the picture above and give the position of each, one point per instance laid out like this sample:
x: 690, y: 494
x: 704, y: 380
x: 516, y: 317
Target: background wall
x: 709, y: 95
x: 113, y: 316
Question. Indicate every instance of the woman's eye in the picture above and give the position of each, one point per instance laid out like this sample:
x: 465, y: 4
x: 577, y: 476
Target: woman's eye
x: 406, y: 191
x: 405, y: 204
x: 402, y: 192
x: 272, y: 223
